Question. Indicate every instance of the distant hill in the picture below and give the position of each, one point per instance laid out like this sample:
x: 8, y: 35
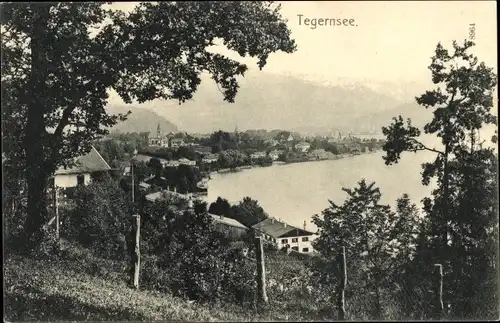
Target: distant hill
x: 140, y: 120
x: 269, y: 101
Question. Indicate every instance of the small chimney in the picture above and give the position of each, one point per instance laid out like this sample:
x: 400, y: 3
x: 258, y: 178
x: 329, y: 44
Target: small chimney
x: 175, y: 189
x: 284, y: 225
x: 272, y: 220
x: 221, y: 216
x: 305, y: 225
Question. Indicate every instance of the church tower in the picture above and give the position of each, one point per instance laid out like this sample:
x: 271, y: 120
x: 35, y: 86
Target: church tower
x: 158, y: 132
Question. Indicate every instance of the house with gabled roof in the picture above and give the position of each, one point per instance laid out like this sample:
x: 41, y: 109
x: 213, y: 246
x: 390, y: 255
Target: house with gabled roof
x: 286, y: 236
x: 81, y: 172
x: 230, y: 227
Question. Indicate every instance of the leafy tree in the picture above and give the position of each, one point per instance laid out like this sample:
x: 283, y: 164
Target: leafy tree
x: 232, y: 158
x: 67, y: 55
x: 461, y: 225
x: 371, y: 234
x: 221, y: 207
x: 187, y: 152
x: 248, y: 212
x: 462, y: 102
x: 156, y: 165
x: 221, y: 140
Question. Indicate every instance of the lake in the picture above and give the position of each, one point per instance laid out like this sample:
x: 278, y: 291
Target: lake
x: 295, y: 192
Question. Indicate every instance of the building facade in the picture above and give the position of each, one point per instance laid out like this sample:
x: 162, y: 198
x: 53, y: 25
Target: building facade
x: 160, y: 140
x: 81, y: 172
x: 286, y: 236
x: 230, y: 227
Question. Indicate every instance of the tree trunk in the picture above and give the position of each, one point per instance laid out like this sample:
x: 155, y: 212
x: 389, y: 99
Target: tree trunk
x: 439, y: 291
x: 378, y: 302
x: 261, y: 272
x: 343, y: 283
x: 446, y: 198
x: 36, y: 172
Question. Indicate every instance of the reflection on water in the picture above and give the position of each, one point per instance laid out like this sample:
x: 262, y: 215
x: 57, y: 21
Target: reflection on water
x: 295, y: 192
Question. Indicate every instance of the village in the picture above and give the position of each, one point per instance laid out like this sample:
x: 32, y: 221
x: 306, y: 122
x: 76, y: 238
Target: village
x: 155, y: 187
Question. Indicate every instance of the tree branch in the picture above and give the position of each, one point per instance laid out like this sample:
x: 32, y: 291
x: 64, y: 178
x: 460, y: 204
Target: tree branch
x: 64, y: 121
x: 424, y: 147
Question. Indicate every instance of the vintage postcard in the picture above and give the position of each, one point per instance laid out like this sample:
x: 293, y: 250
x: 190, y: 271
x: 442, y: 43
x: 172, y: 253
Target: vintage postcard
x: 250, y: 161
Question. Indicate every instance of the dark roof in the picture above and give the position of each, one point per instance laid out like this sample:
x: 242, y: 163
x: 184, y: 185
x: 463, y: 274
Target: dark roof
x: 165, y: 195
x: 89, y: 163
x: 277, y: 229
x: 227, y: 221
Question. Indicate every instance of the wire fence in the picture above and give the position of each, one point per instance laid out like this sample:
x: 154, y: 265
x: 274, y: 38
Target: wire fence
x: 290, y: 276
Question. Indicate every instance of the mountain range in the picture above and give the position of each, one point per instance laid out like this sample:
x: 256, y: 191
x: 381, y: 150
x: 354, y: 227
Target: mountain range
x: 140, y: 120
x: 271, y: 101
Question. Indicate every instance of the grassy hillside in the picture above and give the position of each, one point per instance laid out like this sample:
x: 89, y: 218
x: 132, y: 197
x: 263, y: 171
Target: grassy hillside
x: 81, y: 286
x: 140, y: 120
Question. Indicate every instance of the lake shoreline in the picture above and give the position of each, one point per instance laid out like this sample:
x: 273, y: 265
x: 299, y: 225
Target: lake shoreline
x: 296, y: 192
x: 280, y: 163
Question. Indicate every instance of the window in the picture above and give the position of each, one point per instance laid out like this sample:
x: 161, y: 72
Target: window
x: 80, y: 179
x: 283, y: 241
x: 295, y: 248
x: 305, y: 249
x: 295, y: 239
x: 305, y: 239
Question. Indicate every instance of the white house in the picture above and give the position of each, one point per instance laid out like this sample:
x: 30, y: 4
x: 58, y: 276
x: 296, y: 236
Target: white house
x: 259, y: 154
x: 285, y: 235
x: 185, y: 161
x: 212, y: 158
x: 177, y: 142
x: 172, y: 163
x: 275, y: 154
x: 160, y: 140
x: 303, y: 146
x: 80, y: 173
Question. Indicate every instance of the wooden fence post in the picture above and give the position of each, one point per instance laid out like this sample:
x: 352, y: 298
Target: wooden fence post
x: 55, y: 202
x: 137, y: 264
x: 439, y: 291
x: 343, y: 283
x: 261, y: 271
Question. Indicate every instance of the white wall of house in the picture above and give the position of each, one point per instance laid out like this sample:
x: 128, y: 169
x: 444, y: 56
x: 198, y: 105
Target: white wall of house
x: 302, y: 244
x: 70, y: 180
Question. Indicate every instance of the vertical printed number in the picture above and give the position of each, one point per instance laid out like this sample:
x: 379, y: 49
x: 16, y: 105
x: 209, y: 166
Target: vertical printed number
x: 472, y: 31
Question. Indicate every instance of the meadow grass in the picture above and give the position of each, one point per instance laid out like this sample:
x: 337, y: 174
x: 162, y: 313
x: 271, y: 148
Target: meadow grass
x: 78, y: 285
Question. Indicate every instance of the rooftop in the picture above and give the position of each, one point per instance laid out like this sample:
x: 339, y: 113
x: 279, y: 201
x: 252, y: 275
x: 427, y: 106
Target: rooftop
x: 164, y: 195
x: 227, y: 221
x: 89, y: 163
x: 277, y: 229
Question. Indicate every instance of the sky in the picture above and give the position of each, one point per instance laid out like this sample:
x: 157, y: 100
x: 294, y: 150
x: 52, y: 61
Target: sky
x: 392, y: 40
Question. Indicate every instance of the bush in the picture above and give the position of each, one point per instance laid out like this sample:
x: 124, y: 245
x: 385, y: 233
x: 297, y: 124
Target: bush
x: 100, y: 220
x: 200, y: 262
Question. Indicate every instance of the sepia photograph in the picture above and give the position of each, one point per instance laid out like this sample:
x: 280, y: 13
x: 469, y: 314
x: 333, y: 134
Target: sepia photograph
x: 250, y: 161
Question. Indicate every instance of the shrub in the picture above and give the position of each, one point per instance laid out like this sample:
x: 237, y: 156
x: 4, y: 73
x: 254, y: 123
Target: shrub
x: 100, y: 220
x: 200, y: 262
